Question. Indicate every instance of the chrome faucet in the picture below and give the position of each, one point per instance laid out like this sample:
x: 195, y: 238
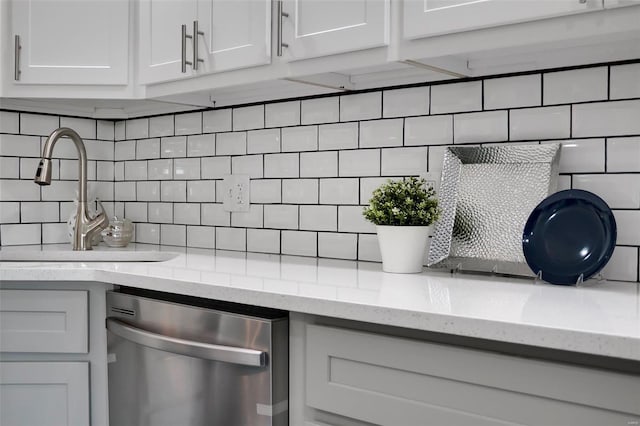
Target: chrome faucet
x: 86, y: 227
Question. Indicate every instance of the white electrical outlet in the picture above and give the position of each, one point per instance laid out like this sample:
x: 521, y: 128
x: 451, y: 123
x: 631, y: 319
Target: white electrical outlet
x: 432, y: 179
x: 235, y: 196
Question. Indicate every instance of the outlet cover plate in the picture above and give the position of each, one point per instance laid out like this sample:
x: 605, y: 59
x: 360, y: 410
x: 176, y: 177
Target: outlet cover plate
x: 235, y: 193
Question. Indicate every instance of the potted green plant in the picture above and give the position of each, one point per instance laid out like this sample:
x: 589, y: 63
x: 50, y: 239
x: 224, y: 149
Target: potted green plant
x: 403, y: 212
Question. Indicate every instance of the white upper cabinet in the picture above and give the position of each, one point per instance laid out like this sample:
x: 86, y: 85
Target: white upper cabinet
x: 312, y: 28
x: 236, y: 34
x: 608, y: 4
x: 425, y: 18
x: 232, y: 34
x: 70, y: 41
x: 163, y: 48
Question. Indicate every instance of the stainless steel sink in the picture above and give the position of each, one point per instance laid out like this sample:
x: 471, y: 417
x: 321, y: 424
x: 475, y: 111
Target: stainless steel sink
x: 65, y: 254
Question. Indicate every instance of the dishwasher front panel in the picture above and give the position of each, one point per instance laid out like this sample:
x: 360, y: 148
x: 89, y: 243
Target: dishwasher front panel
x: 178, y: 365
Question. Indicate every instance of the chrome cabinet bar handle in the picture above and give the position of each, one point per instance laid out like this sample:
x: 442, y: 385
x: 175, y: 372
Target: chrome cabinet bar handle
x: 185, y: 36
x: 17, y: 48
x: 279, y: 41
x: 228, y: 354
x: 196, y: 35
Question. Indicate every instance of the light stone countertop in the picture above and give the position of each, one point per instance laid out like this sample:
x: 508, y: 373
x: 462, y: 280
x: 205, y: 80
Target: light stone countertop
x: 601, y: 318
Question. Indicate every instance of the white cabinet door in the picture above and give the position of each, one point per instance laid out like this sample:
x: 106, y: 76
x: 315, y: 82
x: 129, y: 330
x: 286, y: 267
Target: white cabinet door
x: 71, y: 41
x: 237, y: 34
x: 160, y: 41
x: 322, y: 27
x: 609, y: 4
x: 44, y: 393
x: 424, y: 18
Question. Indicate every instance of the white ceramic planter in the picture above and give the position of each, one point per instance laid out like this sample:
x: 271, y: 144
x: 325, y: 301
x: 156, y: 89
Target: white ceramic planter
x: 403, y: 248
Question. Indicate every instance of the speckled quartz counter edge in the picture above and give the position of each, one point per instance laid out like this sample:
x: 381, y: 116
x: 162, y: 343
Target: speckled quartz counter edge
x: 597, y: 318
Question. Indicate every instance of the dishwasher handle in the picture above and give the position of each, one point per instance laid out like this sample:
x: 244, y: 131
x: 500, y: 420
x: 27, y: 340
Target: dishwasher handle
x: 229, y: 354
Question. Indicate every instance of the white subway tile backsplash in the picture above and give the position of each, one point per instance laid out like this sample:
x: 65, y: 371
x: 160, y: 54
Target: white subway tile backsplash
x: 9, y: 212
x: 295, y: 139
x: 319, y: 164
x: 148, y: 233
x: 319, y: 218
x: 201, y: 145
x: 160, y: 212
x: 367, y: 186
x: 322, y: 110
x: 564, y: 87
x: 476, y: 127
x: 362, y: 106
x: 160, y: 169
x: 119, y: 131
x: 249, y: 219
x: 148, y: 149
x: 281, y: 216
x: 136, y: 211
x: 619, y: 118
x: 102, y: 190
x: 85, y: 127
x: 124, y: 191
x: 148, y: 191
x: 36, y: 124
x: 186, y: 168
x: 540, y: 123
x: 432, y: 130
x: 625, y: 81
x: 581, y: 155
x: 379, y: 133
x: 216, y: 121
x: 105, y: 130
x: 201, y: 236
x: 361, y: 162
x: 299, y: 243
x: 350, y: 219
x: 9, y: 122
x: 55, y: 233
x: 137, y: 129
x: 620, y: 191
x: 15, y: 235
x: 456, y: 97
x: 173, y: 191
x: 246, y: 118
x: 20, y: 146
x: 627, y: 223
x: 118, y: 170
x: 261, y: 141
x: 623, y: 264
x: 19, y: 190
x: 339, y: 191
x: 173, y: 146
x: 513, y: 92
x: 405, y: 102
x: 201, y: 191
x: 173, y: 235
x: 338, y: 136
x: 263, y: 240
x: 10, y: 167
x: 404, y: 161
x: 368, y: 248
x: 282, y: 114
x: 300, y: 191
x: 265, y: 191
x: 188, y: 124
x: 338, y: 246
x: 215, y: 167
x: 564, y: 182
x: 623, y: 154
x: 214, y: 214
x: 124, y: 150
x: 161, y: 126
x: 186, y: 213
x: 248, y: 165
x: 231, y: 239
x: 38, y: 211
x: 135, y: 170
x: 281, y: 165
x: 231, y: 143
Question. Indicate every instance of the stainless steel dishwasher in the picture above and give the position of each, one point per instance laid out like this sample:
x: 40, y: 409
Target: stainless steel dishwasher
x: 181, y: 361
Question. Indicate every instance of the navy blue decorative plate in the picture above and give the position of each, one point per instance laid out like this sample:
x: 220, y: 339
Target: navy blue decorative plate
x: 569, y: 234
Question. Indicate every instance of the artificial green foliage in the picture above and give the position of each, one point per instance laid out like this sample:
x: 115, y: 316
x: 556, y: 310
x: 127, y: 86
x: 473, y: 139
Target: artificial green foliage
x: 407, y: 202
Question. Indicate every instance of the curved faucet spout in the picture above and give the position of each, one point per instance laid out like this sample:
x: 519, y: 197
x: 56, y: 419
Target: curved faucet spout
x: 86, y: 227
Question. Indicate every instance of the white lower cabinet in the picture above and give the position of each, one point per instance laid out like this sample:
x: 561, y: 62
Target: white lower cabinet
x: 44, y: 393
x: 357, y: 378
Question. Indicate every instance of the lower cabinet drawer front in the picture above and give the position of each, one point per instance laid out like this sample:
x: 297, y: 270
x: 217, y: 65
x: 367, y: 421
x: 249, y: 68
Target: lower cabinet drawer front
x: 52, y: 321
x: 44, y: 393
x: 395, y: 381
